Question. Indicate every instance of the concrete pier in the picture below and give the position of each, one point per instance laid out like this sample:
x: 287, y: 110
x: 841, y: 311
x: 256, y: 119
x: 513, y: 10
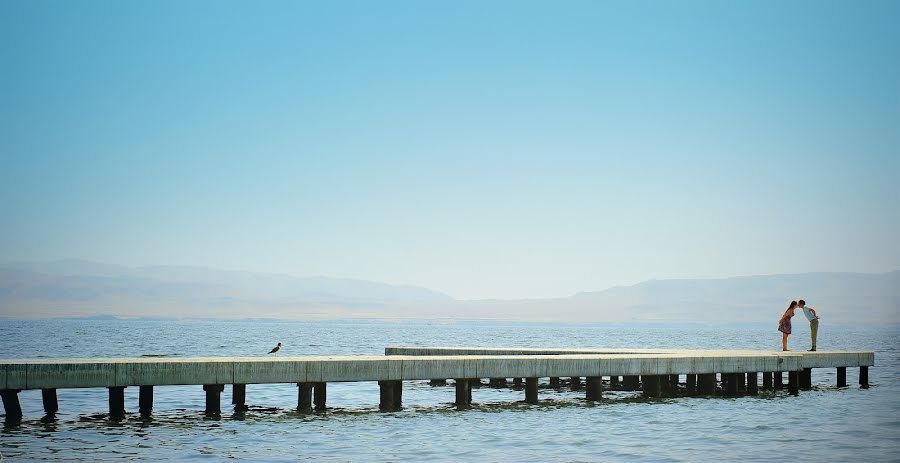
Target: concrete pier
x: 659, y: 371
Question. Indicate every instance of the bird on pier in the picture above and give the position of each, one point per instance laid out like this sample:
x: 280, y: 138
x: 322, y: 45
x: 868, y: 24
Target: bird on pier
x: 275, y: 349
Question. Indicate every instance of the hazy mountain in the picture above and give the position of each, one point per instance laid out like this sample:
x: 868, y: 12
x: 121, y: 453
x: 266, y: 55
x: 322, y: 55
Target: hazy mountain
x: 79, y: 288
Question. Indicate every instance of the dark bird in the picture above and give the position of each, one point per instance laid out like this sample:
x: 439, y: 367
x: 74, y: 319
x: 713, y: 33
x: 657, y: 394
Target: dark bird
x: 275, y: 349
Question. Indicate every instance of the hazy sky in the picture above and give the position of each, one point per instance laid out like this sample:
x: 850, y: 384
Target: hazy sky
x: 483, y: 149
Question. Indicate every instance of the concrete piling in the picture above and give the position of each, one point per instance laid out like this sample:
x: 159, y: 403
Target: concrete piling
x: 554, y: 382
x: 213, y: 399
x: 752, y: 383
x: 631, y: 383
x: 730, y: 383
x: 767, y: 380
x: 145, y: 400
x: 651, y: 385
x: 437, y: 382
x: 517, y: 383
x: 614, y: 382
x: 806, y: 378
x: 575, y: 383
x: 391, y: 395
x: 11, y: 405
x: 51, y: 405
x: 531, y: 390
x: 778, y: 377
x: 320, y: 393
x: 593, y: 388
x: 691, y: 384
x: 841, y: 376
x: 463, y: 393
x: 793, y: 383
x: 116, y: 403
x: 707, y: 383
x: 304, y: 397
x: 864, y: 377
x: 239, y: 397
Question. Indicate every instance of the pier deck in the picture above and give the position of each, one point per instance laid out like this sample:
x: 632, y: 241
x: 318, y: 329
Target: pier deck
x: 656, y: 372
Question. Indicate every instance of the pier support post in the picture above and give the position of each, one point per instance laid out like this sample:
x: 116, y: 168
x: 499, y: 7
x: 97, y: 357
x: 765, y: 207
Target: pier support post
x: 752, y: 383
x: 239, y: 397
x: 575, y: 383
x: 841, y: 376
x: 51, y: 405
x: 463, y: 393
x: 673, y: 383
x: 730, y: 382
x: 497, y: 382
x: 145, y: 400
x: 779, y: 379
x: 707, y: 383
x: 594, y: 388
x: 767, y: 380
x: 517, y: 383
x: 651, y: 385
x: 11, y: 405
x: 304, y: 397
x: 864, y: 377
x: 391, y: 395
x: 320, y: 391
x: 613, y: 382
x: 554, y: 382
x: 116, y: 403
x: 631, y: 383
x: 213, y: 402
x: 793, y: 383
x: 691, y: 381
x: 806, y: 378
x: 531, y: 390
x: 437, y: 382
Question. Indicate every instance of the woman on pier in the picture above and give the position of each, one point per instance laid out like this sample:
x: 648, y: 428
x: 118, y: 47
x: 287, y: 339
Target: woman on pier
x: 784, y: 324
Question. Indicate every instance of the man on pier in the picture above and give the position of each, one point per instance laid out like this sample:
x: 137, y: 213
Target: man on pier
x: 813, y: 318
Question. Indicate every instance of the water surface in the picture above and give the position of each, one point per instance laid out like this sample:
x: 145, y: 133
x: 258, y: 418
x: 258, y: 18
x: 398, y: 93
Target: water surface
x: 825, y: 423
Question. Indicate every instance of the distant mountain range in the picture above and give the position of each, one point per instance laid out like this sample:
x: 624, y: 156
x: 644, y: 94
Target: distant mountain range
x: 74, y: 288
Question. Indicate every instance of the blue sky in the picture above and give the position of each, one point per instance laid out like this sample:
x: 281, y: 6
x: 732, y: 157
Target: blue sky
x: 484, y: 149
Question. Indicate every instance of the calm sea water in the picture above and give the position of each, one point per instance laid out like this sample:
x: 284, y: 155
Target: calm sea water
x: 825, y: 423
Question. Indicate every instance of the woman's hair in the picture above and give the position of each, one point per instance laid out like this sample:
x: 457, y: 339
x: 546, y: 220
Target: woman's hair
x: 793, y: 305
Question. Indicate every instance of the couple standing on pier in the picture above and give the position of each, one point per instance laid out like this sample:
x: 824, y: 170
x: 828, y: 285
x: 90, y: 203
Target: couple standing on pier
x: 784, y: 324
